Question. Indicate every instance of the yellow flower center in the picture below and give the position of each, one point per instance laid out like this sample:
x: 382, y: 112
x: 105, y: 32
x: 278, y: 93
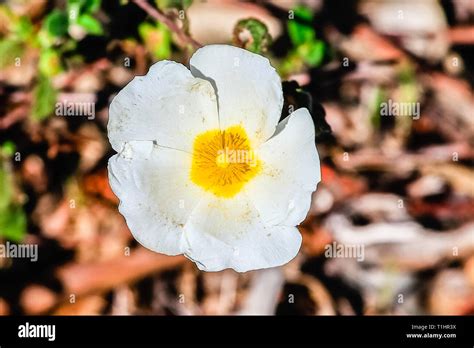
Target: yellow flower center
x: 223, y: 161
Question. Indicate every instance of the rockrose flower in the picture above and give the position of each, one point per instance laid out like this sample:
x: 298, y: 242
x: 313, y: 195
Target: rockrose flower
x: 204, y: 168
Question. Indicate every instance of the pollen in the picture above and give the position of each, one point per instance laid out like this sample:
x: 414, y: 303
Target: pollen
x: 223, y: 161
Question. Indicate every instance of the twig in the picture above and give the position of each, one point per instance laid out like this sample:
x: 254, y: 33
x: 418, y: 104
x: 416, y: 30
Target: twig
x: 83, y: 279
x: 16, y: 115
x: 161, y: 17
x: 461, y: 35
x: 96, y: 278
x: 416, y: 249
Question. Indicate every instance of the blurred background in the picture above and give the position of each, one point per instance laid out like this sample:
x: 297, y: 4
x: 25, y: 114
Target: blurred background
x: 399, y: 187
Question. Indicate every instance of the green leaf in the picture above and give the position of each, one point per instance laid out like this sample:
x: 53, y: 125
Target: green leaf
x: 312, y: 52
x: 44, y: 98
x: 8, y: 148
x: 12, y: 216
x: 13, y: 223
x: 157, y: 39
x: 252, y: 35
x: 90, y: 24
x: 91, y: 6
x: 45, y: 39
x: 7, y: 16
x: 73, y: 10
x: 23, y: 28
x: 5, y: 187
x: 56, y: 23
x: 301, y: 32
x: 292, y: 63
x: 375, y: 108
x: 303, y: 12
x: 9, y: 50
x: 84, y: 6
x: 49, y: 62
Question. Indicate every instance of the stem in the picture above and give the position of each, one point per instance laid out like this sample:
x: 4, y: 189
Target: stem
x: 161, y: 17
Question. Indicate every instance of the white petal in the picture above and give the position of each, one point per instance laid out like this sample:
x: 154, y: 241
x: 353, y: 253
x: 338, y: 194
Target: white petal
x: 228, y: 233
x: 291, y: 171
x: 155, y: 193
x: 167, y: 105
x: 248, y: 88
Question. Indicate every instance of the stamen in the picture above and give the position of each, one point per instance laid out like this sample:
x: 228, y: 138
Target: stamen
x: 223, y: 161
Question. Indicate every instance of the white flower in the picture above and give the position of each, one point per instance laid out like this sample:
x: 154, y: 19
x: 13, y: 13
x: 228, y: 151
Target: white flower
x: 203, y: 169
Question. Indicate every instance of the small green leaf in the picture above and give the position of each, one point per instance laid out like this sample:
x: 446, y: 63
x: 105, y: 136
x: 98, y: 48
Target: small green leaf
x: 45, y: 39
x: 23, y: 28
x: 12, y: 216
x: 73, y: 10
x: 5, y: 187
x: 292, y: 63
x: 299, y: 31
x: 90, y: 24
x: 56, y: 23
x: 44, y: 98
x: 91, y: 6
x: 7, y: 148
x: 9, y: 50
x: 375, y: 108
x: 303, y: 12
x: 13, y: 223
x: 252, y: 35
x: 312, y: 52
x: 157, y: 39
x: 49, y: 62
x: 84, y: 6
